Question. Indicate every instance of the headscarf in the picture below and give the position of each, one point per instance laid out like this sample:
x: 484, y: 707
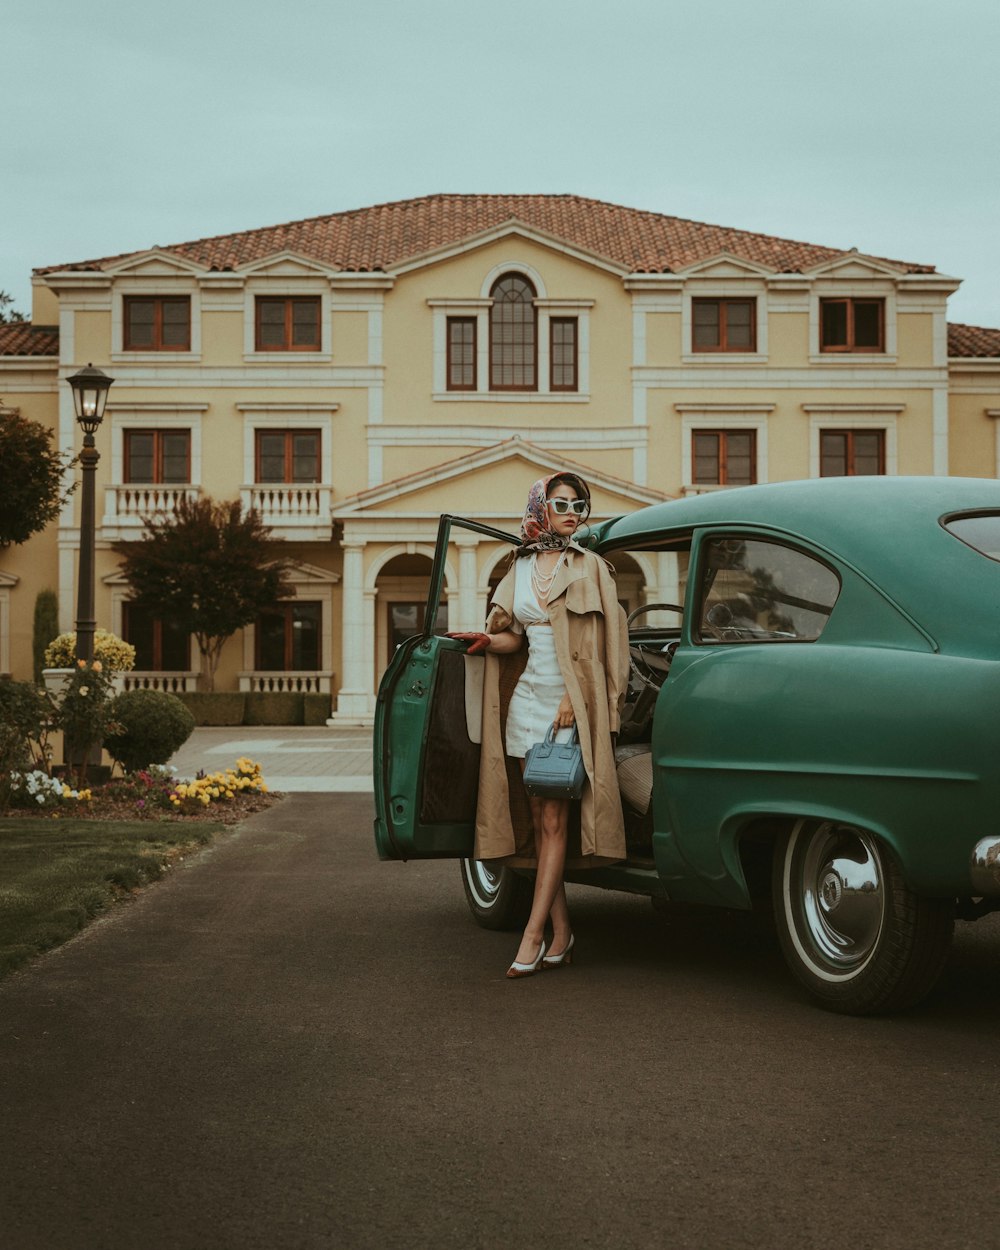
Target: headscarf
x: 536, y: 532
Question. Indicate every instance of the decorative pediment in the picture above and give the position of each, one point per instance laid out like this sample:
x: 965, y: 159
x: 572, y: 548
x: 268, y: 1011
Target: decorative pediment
x: 854, y: 265
x: 286, y: 265
x: 491, y: 482
x: 8, y: 580
x: 155, y: 263
x: 299, y: 571
x: 513, y: 228
x: 726, y: 265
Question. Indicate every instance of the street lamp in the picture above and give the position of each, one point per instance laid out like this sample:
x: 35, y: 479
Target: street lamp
x: 90, y: 393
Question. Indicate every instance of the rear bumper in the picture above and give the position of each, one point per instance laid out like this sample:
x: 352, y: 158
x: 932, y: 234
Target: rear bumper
x: 985, y: 868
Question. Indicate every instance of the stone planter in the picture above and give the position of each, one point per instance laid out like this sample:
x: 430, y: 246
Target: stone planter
x: 55, y: 679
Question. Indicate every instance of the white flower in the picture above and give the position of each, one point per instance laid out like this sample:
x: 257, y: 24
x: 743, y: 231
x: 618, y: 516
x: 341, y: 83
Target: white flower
x: 84, y: 689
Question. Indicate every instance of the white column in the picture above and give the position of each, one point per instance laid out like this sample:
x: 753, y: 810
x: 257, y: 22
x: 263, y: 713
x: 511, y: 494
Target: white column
x: 467, y: 577
x: 354, y: 699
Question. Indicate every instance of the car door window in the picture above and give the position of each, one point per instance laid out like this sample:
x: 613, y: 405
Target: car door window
x: 755, y: 590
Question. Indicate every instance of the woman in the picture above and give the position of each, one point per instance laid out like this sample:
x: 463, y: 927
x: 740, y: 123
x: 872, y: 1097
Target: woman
x: 561, y: 598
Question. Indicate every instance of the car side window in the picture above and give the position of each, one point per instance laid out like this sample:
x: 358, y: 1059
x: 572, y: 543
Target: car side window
x: 754, y: 590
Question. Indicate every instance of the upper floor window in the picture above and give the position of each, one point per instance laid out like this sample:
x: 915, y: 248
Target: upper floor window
x: 461, y: 353
x: 852, y: 325
x: 724, y: 325
x: 513, y: 337
x: 287, y: 456
x: 724, y: 457
x: 851, y: 453
x: 157, y: 323
x: 157, y: 455
x: 562, y: 354
x: 287, y: 323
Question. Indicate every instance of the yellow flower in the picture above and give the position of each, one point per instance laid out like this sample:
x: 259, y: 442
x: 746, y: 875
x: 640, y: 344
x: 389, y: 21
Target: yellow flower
x: 97, y: 666
x: 81, y: 663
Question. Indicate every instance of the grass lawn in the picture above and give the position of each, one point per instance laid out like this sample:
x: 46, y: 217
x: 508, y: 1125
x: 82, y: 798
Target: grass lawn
x: 55, y: 875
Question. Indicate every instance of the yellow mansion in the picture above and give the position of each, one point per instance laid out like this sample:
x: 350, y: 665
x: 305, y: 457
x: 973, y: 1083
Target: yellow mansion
x: 352, y: 376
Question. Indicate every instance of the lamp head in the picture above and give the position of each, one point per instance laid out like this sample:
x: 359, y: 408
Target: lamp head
x: 90, y: 394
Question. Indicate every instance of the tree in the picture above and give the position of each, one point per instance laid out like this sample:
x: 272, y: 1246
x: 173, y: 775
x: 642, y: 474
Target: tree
x: 32, y: 488
x: 5, y: 303
x: 206, y: 567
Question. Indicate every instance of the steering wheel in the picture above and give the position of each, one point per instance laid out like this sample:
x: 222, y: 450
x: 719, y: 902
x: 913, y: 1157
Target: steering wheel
x: 650, y: 669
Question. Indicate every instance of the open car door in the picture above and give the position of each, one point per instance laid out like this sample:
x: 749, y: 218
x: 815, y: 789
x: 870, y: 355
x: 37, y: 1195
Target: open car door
x: 427, y: 733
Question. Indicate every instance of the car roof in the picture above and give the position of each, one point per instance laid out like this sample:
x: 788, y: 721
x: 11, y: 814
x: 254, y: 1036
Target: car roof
x: 886, y: 527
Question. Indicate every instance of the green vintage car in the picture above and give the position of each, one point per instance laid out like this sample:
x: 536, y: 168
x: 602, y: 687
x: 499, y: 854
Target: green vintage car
x: 818, y: 723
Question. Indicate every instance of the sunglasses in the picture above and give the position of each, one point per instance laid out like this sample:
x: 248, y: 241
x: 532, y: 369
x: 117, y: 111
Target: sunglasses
x: 561, y: 506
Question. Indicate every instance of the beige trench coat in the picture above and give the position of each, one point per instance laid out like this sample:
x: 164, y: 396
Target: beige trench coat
x: 591, y: 641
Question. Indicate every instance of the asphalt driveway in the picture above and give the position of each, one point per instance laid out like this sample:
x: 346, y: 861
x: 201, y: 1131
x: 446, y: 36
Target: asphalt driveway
x: 289, y: 1044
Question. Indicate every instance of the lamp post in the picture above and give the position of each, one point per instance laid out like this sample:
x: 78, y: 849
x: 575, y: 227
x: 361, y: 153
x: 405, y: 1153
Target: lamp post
x: 90, y: 394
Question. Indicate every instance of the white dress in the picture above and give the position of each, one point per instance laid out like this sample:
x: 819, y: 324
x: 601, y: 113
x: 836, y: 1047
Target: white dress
x: 540, y: 689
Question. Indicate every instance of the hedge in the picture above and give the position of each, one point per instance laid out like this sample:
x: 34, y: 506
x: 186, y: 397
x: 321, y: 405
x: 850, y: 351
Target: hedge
x: 222, y: 708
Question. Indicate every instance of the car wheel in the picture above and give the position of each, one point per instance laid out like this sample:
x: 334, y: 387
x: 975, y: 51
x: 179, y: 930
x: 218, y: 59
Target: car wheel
x: 851, y: 931
x: 498, y: 898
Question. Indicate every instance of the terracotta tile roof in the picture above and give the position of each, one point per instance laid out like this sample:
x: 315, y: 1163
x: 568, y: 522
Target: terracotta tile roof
x: 21, y: 338
x: 972, y: 340
x: 385, y: 235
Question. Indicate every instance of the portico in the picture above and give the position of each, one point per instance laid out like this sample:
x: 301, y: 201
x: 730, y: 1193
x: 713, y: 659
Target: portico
x: 388, y: 546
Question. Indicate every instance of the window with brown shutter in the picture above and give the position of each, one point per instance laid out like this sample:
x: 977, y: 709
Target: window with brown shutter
x: 513, y: 337
x: 724, y: 325
x: 563, y: 354
x: 461, y: 353
x: 157, y: 323
x: 851, y: 453
x: 288, y: 323
x: 287, y: 456
x: 158, y: 456
x: 852, y: 325
x: 724, y: 457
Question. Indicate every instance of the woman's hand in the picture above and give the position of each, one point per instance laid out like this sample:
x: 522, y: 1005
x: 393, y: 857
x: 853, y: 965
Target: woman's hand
x: 564, y: 717
x: 477, y: 642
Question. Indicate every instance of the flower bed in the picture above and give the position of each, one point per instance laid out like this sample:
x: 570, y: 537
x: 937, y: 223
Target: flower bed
x: 148, y: 794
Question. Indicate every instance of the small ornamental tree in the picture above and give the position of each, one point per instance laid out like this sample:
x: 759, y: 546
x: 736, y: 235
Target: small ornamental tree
x: 207, y: 567
x: 32, y: 489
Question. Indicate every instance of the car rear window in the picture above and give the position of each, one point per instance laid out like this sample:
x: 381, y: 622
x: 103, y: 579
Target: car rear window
x: 754, y: 590
x: 982, y: 532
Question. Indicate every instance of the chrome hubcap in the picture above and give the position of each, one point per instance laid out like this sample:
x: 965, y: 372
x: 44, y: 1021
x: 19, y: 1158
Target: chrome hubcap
x: 483, y: 882
x: 835, y: 896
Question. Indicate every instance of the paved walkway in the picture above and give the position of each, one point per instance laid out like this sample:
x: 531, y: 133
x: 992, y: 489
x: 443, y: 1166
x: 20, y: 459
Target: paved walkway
x: 293, y: 759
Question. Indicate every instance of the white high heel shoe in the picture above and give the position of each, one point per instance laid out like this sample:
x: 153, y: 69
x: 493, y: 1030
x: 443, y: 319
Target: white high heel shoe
x: 527, y: 970
x: 564, y: 957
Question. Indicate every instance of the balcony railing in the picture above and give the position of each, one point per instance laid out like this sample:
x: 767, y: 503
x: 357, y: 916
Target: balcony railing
x: 125, y: 507
x: 294, y: 683
x: 172, y: 683
x: 298, y: 510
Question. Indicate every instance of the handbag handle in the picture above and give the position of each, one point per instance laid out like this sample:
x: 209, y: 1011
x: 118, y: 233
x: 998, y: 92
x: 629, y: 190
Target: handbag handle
x: 550, y: 736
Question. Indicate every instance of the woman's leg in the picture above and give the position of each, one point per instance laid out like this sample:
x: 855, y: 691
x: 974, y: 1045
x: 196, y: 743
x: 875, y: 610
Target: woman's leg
x: 559, y: 911
x: 550, y: 840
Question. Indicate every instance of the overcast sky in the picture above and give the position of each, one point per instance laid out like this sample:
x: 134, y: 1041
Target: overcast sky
x: 852, y: 123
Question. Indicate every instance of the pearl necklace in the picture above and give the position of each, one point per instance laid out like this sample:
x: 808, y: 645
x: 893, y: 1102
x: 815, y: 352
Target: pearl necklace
x: 541, y: 583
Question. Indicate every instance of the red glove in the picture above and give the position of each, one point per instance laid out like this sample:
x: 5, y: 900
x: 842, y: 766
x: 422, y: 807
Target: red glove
x: 477, y: 642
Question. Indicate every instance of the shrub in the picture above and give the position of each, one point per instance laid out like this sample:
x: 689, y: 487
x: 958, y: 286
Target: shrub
x: 149, y: 726
x: 211, y: 708
x: 46, y: 628
x: 274, y: 707
x: 115, y: 655
x: 315, y: 709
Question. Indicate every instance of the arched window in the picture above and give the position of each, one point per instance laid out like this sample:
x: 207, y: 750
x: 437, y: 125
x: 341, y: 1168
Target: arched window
x: 513, y: 340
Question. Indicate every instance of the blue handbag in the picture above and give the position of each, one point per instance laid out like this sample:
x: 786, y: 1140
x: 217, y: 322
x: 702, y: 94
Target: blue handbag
x: 554, y: 770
